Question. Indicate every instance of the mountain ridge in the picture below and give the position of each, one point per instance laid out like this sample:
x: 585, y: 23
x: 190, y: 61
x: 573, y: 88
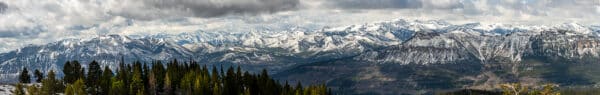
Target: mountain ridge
x: 383, y: 42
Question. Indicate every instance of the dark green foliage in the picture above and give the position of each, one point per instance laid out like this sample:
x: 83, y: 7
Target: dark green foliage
x: 77, y: 88
x: 117, y: 88
x: 51, y: 85
x: 106, y: 81
x: 38, y: 75
x: 24, y: 77
x: 93, y: 75
x: 72, y: 71
x: 188, y: 78
x: 137, y: 83
x: 156, y: 78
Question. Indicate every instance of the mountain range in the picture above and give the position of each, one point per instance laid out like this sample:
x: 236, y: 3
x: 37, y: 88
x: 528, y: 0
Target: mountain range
x: 391, y: 57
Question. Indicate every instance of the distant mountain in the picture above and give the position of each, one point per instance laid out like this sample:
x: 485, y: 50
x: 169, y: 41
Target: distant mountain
x: 464, y: 57
x: 401, y: 54
x: 274, y: 50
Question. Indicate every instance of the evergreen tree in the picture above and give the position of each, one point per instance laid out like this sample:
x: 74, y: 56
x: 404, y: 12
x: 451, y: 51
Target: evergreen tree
x: 19, y: 89
x: 117, y: 88
x: 287, y: 89
x: 123, y: 74
x: 230, y: 83
x: 93, y: 75
x: 39, y: 76
x: 106, y: 81
x: 216, y: 83
x: 187, y: 78
x: 34, y: 90
x: 299, y: 89
x: 72, y: 71
x: 158, y: 70
x: 152, y: 84
x: 168, y: 90
x: 186, y: 84
x: 137, y: 84
x: 69, y: 77
x: 69, y: 90
x: 78, y: 71
x: 24, y: 77
x: 77, y: 88
x: 50, y: 85
x: 145, y: 74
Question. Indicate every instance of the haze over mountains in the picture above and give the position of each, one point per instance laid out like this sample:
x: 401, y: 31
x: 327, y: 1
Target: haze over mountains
x: 408, y: 56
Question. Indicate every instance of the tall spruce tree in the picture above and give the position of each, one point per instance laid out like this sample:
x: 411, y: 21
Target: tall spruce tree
x: 168, y: 87
x: 38, y: 75
x: 77, y: 88
x: 24, y: 77
x: 158, y: 70
x: 137, y: 83
x: 69, y: 77
x: 118, y: 87
x: 34, y: 90
x: 77, y: 71
x: 93, y: 75
x: 50, y: 85
x: 106, y: 81
x: 152, y: 84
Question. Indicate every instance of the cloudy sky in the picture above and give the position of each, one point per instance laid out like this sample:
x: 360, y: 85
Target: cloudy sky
x: 24, y: 22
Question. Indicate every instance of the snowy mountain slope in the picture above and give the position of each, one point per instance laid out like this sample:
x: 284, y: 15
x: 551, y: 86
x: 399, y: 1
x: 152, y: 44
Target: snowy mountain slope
x: 470, y: 56
x: 397, y: 41
x: 105, y: 49
x: 475, y: 42
x: 274, y: 49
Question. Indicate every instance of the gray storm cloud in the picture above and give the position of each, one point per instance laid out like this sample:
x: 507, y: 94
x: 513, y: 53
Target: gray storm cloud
x: 374, y: 4
x: 3, y: 7
x: 394, y: 4
x: 151, y: 9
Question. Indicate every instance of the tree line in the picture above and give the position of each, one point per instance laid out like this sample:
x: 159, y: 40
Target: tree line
x: 172, y: 78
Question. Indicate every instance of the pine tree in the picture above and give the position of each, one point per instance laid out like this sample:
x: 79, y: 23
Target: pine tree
x: 34, y: 90
x: 72, y: 71
x: 93, y: 76
x: 186, y: 84
x: 24, y: 77
x: 106, y: 81
x: 39, y: 76
x: 230, y: 83
x: 69, y: 90
x: 158, y: 70
x: 78, y: 71
x: 117, y: 88
x: 168, y: 90
x: 69, y: 77
x: 137, y: 84
x: 19, y: 89
x: 123, y: 74
x: 299, y: 89
x: 216, y: 83
x: 50, y: 85
x: 287, y: 89
x: 152, y: 84
x: 145, y: 73
x: 77, y: 88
